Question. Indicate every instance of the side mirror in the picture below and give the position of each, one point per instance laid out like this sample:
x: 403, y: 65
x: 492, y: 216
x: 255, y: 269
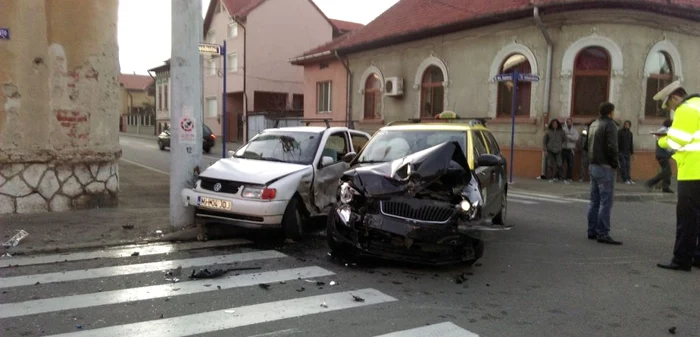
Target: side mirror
x: 348, y: 157
x: 230, y: 153
x: 325, y: 161
x: 488, y: 160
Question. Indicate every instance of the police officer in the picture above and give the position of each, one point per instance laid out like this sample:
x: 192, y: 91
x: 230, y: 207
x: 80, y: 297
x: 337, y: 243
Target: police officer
x: 684, y: 137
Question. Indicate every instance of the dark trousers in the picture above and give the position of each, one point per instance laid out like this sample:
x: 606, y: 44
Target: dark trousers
x: 584, y: 165
x: 664, y: 176
x: 687, y: 223
x: 568, y: 158
x: 553, y: 165
x: 625, y: 166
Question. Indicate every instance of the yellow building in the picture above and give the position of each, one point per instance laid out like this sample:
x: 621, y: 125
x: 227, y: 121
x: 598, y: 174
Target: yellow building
x: 138, y: 104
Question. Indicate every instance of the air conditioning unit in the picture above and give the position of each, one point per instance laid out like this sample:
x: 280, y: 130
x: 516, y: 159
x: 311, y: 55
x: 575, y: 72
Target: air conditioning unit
x: 393, y: 86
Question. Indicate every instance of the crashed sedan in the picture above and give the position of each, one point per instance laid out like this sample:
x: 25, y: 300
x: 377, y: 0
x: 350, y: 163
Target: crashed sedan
x: 427, y: 206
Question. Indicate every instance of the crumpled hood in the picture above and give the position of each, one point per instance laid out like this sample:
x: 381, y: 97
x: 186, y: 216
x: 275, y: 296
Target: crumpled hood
x: 425, y: 167
x: 250, y: 170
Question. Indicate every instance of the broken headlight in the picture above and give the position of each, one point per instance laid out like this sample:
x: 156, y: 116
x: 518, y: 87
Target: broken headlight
x: 468, y: 207
x: 346, y: 193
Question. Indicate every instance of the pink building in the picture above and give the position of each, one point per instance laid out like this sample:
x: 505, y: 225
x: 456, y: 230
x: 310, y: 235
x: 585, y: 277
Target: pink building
x: 275, y: 30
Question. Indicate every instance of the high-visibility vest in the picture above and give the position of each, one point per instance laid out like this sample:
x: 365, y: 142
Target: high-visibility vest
x: 684, y: 138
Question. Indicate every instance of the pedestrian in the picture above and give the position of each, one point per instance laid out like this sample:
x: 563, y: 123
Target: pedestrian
x: 684, y: 137
x: 625, y: 143
x: 663, y: 156
x: 554, y: 139
x: 583, y: 145
x: 569, y: 151
x: 604, y: 160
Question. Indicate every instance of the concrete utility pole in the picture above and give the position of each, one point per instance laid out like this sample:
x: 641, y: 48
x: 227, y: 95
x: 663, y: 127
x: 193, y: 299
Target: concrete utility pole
x: 186, y: 110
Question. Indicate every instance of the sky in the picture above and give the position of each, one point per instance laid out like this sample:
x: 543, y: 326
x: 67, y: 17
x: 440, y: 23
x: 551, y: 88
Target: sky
x: 144, y: 27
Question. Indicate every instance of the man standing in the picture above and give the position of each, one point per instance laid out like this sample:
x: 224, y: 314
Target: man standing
x: 569, y: 149
x: 625, y: 142
x: 663, y: 156
x: 684, y: 137
x: 603, y: 157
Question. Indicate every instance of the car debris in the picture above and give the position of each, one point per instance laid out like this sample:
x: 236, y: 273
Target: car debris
x: 7, y: 255
x: 264, y: 286
x: 672, y: 330
x: 135, y: 254
x: 231, y: 311
x: 357, y: 298
x: 333, y: 283
x: 205, y: 274
x: 301, y: 289
x: 461, y: 278
x: 324, y: 305
x: 128, y: 226
x: 318, y: 283
x: 14, y: 240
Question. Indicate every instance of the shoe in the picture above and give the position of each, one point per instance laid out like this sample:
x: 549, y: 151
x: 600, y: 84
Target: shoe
x: 608, y: 240
x: 628, y: 182
x: 567, y: 182
x: 592, y: 237
x: 632, y: 182
x: 673, y: 266
x: 667, y: 190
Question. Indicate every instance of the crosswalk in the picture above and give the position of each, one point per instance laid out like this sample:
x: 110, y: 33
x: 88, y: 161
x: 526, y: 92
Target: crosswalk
x: 63, y: 295
x: 534, y: 198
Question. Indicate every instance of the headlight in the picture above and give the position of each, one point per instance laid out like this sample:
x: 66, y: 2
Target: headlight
x: 465, y: 205
x: 262, y: 193
x: 346, y: 193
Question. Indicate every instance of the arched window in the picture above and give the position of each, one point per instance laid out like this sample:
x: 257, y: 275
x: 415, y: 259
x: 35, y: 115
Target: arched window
x: 659, y: 66
x: 373, y: 97
x: 505, y: 89
x: 591, y: 81
x: 432, y: 92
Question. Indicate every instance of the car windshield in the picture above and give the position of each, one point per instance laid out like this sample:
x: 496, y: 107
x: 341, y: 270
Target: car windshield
x: 289, y: 147
x: 388, y: 145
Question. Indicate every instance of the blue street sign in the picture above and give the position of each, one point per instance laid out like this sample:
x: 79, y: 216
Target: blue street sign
x: 521, y: 77
x: 4, y: 33
x: 504, y: 77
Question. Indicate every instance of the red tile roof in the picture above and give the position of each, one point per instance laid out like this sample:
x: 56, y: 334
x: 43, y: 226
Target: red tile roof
x: 135, y: 82
x: 411, y: 20
x: 346, y: 26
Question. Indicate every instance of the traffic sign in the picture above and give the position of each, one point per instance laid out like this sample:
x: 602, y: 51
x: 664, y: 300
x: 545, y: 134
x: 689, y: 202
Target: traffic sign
x: 187, y: 124
x: 4, y: 33
x: 520, y: 77
x: 208, y: 48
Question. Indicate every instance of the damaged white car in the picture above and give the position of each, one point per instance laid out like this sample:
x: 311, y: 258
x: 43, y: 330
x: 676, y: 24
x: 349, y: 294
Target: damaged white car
x: 281, y: 178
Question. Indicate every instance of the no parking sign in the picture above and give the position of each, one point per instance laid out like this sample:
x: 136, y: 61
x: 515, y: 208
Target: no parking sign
x: 187, y: 127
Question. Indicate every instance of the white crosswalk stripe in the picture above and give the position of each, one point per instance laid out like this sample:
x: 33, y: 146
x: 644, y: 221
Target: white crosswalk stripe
x: 59, y: 297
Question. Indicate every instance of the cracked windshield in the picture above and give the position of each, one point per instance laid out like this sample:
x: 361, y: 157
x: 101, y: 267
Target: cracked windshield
x: 350, y: 168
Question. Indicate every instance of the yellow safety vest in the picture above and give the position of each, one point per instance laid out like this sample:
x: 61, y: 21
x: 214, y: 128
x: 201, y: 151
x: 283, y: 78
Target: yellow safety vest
x: 684, y: 138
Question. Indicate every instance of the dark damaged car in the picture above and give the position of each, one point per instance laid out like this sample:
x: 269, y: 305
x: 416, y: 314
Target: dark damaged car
x: 421, y: 193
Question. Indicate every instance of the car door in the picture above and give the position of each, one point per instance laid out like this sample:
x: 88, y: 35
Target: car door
x: 358, y: 140
x: 497, y: 172
x: 325, y: 184
x: 501, y: 170
x: 485, y: 174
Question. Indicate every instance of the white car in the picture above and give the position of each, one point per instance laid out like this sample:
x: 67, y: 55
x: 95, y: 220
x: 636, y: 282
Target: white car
x: 279, y: 179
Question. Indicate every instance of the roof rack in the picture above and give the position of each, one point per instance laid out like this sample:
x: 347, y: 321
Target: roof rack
x: 471, y: 121
x: 305, y: 121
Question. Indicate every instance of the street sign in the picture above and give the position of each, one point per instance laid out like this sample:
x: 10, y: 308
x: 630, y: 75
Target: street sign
x: 187, y: 124
x: 208, y: 48
x: 4, y: 33
x: 504, y: 77
x: 520, y: 77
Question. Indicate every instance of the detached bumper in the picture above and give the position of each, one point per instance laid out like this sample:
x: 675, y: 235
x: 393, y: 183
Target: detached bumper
x: 391, y: 238
x: 243, y: 213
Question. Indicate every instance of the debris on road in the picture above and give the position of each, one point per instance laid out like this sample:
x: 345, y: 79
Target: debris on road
x: 300, y: 290
x: 128, y: 226
x: 358, y: 298
x: 318, y: 283
x: 78, y: 326
x: 7, y: 255
x: 672, y: 330
x: 218, y: 287
x: 203, y: 274
x: 264, y: 286
x: 461, y: 278
x: 324, y: 305
x: 333, y: 283
x: 14, y: 241
x: 159, y: 232
x: 230, y: 311
x: 135, y: 254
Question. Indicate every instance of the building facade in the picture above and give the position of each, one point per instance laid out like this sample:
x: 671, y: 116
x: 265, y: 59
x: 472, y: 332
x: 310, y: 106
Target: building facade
x: 138, y: 111
x: 162, y: 96
x: 618, y: 51
x: 261, y: 33
x: 59, y: 106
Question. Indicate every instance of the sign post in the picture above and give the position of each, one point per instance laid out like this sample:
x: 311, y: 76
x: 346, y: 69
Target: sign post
x: 515, y: 77
x: 219, y: 50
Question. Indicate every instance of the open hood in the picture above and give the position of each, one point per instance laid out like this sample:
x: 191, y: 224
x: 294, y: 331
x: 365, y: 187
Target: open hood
x: 410, y: 174
x: 252, y: 171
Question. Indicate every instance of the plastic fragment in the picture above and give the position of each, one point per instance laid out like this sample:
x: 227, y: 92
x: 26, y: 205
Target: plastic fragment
x: 14, y: 240
x: 333, y: 283
x: 324, y: 305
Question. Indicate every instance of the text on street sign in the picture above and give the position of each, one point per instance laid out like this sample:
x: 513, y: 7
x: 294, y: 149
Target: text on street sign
x: 206, y: 48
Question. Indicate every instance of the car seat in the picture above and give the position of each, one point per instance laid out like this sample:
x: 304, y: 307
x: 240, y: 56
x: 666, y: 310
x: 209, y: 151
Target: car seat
x: 330, y: 153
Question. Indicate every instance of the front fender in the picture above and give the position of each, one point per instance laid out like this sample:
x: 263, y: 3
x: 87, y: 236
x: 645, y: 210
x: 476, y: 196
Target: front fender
x: 288, y: 185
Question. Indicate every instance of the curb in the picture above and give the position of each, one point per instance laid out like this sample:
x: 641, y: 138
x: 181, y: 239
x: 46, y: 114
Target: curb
x: 632, y: 197
x: 125, y: 134
x: 183, y: 235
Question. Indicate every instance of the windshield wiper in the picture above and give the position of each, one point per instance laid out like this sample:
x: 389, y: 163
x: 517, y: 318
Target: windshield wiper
x: 369, y: 162
x: 272, y: 159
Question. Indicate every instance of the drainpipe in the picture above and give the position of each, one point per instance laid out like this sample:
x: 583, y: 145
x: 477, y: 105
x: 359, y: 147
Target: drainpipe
x: 548, y: 74
x: 348, y: 90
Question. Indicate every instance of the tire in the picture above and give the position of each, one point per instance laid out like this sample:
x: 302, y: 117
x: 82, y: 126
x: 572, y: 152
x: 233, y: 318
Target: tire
x: 161, y: 146
x: 207, y: 149
x: 502, y: 217
x: 478, y: 252
x: 292, y: 220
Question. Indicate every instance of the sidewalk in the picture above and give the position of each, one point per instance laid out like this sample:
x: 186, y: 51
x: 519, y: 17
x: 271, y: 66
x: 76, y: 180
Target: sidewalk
x: 143, y: 203
x: 581, y: 190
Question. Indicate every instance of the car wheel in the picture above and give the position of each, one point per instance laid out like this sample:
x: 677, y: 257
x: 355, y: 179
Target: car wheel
x: 478, y: 251
x: 292, y: 220
x: 207, y: 149
x: 502, y: 216
x: 161, y: 145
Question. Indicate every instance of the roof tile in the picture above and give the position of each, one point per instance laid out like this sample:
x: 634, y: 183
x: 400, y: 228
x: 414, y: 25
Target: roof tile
x: 135, y: 82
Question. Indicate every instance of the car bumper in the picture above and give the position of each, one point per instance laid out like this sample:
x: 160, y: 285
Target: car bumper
x: 243, y: 213
x: 396, y: 239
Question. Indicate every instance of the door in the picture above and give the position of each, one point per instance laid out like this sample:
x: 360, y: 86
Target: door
x: 496, y: 175
x: 358, y: 140
x: 502, y: 170
x: 485, y: 174
x: 325, y: 183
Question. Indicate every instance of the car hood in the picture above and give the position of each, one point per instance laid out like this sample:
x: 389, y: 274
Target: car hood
x: 250, y: 170
x: 410, y: 174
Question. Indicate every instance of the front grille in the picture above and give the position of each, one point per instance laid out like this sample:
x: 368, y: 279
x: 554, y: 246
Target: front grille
x: 405, y: 210
x: 227, y: 186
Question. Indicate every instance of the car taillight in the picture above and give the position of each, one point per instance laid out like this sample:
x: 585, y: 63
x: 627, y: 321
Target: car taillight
x: 268, y: 194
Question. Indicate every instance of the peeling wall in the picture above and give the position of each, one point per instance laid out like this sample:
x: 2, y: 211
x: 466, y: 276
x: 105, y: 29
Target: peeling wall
x: 59, y: 105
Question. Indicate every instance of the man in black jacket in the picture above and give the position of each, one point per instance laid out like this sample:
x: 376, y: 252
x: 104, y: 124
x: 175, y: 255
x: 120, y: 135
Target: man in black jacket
x: 625, y: 142
x: 603, y: 156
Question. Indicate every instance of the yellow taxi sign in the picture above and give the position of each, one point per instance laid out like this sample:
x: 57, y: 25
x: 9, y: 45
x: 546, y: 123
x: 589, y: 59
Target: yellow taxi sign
x: 447, y: 115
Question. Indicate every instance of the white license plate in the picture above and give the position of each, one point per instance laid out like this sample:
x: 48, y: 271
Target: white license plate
x: 214, y: 203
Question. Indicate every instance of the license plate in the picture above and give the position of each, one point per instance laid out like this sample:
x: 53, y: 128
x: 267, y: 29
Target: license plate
x: 214, y: 203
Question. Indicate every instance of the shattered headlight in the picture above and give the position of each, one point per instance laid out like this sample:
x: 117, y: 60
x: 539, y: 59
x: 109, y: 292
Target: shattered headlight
x: 346, y: 193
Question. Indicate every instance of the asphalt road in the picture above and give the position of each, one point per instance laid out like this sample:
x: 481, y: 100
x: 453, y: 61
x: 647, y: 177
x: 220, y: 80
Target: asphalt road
x: 542, y: 278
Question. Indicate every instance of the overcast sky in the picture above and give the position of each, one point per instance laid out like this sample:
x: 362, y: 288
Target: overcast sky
x: 144, y: 27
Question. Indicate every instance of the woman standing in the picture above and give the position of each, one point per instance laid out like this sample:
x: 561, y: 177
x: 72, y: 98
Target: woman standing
x: 554, y: 140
